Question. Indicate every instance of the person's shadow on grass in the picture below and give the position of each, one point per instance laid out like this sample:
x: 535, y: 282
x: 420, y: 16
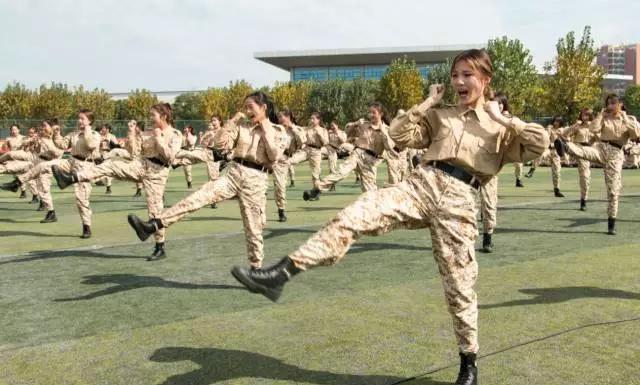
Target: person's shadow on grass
x: 217, y: 365
x: 126, y: 282
x: 564, y: 294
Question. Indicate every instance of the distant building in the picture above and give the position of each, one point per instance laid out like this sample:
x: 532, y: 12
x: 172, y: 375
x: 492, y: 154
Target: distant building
x: 622, y: 66
x: 349, y: 64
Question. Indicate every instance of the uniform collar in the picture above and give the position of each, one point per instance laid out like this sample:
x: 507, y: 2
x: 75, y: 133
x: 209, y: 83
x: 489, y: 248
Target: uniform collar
x: 478, y: 113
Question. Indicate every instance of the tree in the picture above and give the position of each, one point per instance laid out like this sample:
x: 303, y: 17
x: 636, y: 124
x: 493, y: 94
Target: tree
x: 18, y: 101
x: 214, y: 102
x: 401, y: 86
x: 99, y: 101
x: 632, y: 100
x: 326, y: 98
x: 139, y: 103
x: 235, y: 94
x: 357, y: 96
x: 187, y: 106
x: 576, y: 78
x: 513, y: 71
x: 293, y: 95
x: 441, y: 74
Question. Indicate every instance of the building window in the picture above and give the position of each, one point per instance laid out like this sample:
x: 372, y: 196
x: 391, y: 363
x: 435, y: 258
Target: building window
x: 345, y: 73
x: 310, y: 73
x: 374, y: 72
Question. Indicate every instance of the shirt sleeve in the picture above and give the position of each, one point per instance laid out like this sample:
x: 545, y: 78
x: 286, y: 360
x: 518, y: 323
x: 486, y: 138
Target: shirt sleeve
x: 524, y: 141
x: 413, y: 128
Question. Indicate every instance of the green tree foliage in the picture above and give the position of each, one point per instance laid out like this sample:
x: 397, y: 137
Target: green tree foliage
x: 401, y: 86
x: 214, y: 101
x: 17, y: 101
x: 326, y: 98
x: 294, y: 95
x: 514, y: 72
x: 99, y: 101
x: 139, y: 103
x: 576, y: 78
x: 187, y: 106
x: 357, y: 96
x: 235, y: 94
x: 632, y: 100
x: 441, y: 74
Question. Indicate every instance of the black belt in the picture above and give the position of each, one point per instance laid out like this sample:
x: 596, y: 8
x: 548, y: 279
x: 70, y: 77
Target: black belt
x: 397, y: 149
x: 218, y: 155
x: 457, y: 172
x: 158, y: 162
x: 287, y: 154
x: 585, y: 144
x: 372, y: 153
x: 616, y: 145
x: 252, y: 165
x: 312, y: 146
x: 44, y: 158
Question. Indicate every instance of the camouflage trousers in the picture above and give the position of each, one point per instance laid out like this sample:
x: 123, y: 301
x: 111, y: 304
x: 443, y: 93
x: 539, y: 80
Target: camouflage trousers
x: 363, y: 163
x: 314, y: 156
x: 245, y: 183
x: 556, y: 165
x: 152, y: 176
x: 611, y: 158
x: 518, y: 168
x: 488, y: 195
x: 200, y: 155
x: 280, y: 171
x: 15, y: 167
x: 584, y: 173
x: 332, y: 159
x: 429, y: 198
x: 396, y: 167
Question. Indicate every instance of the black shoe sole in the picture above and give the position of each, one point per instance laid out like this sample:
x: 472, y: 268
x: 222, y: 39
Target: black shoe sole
x: 153, y: 258
x: 49, y: 220
x: 255, y: 287
x: 133, y: 222
x: 61, y: 183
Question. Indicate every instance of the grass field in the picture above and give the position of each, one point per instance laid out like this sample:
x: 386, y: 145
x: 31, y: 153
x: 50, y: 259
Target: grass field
x: 560, y: 299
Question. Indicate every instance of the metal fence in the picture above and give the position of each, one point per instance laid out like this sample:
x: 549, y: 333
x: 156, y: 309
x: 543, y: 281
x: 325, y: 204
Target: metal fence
x: 119, y: 127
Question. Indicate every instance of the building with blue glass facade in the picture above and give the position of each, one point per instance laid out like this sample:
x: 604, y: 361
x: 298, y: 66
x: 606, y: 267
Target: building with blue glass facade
x: 349, y: 64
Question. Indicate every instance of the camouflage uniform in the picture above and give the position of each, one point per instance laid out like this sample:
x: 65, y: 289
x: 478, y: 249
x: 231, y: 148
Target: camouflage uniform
x: 292, y: 139
x: 106, y: 142
x: 488, y: 193
x: 431, y: 198
x: 336, y: 139
x: 251, y: 150
x: 580, y: 133
x: 396, y: 165
x: 188, y: 145
x: 16, y: 145
x: 614, y: 133
x: 518, y: 169
x: 151, y: 169
x: 209, y: 145
x: 316, y: 138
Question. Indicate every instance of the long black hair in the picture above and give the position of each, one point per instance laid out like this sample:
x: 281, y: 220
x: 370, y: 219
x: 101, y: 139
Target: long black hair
x: 378, y: 106
x: 263, y: 99
x: 289, y: 114
x: 501, y: 98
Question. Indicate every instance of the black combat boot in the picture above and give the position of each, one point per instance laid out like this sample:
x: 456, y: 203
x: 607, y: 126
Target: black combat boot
x: 611, y: 226
x: 519, y: 182
x: 34, y: 199
x: 138, y: 193
x: 333, y: 187
x: 268, y: 282
x: 293, y: 183
x: 50, y: 217
x: 311, y: 195
x: 86, y: 232
x: 214, y: 205
x: 530, y: 173
x: 144, y: 229
x: 560, y: 146
x: 108, y: 190
x: 23, y: 194
x: 13, y: 186
x: 487, y: 243
x: 158, y: 252
x: 583, y: 204
x: 557, y: 193
x: 282, y: 217
x: 63, y: 178
x: 41, y: 206
x: 468, y: 370
x: 189, y: 185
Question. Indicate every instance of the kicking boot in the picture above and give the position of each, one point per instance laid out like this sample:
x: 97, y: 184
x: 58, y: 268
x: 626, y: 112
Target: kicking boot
x: 583, y: 204
x: 311, y: 195
x: 144, y: 229
x: 560, y: 146
x: 86, y: 232
x: 292, y: 184
x: 108, y: 190
x: 138, y: 193
x: 557, y: 193
x: 611, y: 226
x: 34, y: 199
x: 530, y: 173
x: 41, y: 206
x: 487, y: 243
x: 50, y: 217
x: 13, y: 186
x: 468, y: 374
x: 189, y: 185
x: 282, y: 217
x: 519, y: 182
x: 23, y: 194
x: 333, y: 187
x: 158, y: 253
x: 99, y: 183
x: 63, y: 178
x: 214, y: 205
x: 268, y: 282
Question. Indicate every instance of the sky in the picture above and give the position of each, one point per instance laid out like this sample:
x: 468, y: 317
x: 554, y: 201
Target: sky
x: 171, y: 45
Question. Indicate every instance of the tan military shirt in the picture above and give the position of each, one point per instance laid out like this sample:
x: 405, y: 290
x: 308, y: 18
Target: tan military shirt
x: 208, y: 138
x: 189, y: 142
x: 579, y: 133
x: 336, y: 138
x: 15, y: 142
x: 370, y: 137
x: 134, y: 145
x: 617, y: 129
x: 84, y: 143
x: 316, y: 136
x: 47, y: 149
x: 296, y: 139
x: 468, y: 138
x: 163, y: 148
x: 252, y: 144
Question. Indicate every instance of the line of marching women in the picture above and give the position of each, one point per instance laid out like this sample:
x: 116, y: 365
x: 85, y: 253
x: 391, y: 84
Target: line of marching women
x: 454, y: 154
